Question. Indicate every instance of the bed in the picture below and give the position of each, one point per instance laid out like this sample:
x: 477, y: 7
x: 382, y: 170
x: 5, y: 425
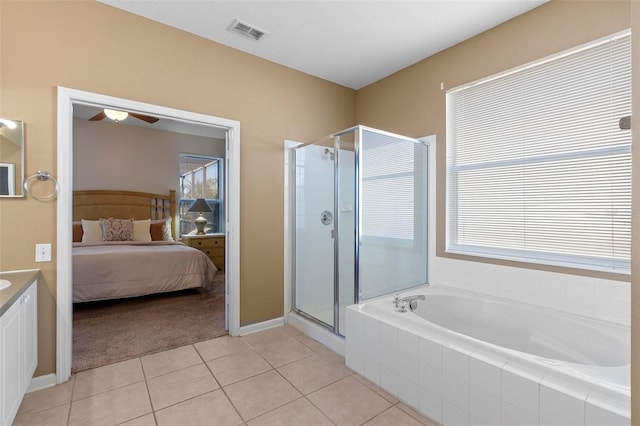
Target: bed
x: 140, y: 255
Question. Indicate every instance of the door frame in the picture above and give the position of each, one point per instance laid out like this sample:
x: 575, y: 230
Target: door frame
x: 66, y: 99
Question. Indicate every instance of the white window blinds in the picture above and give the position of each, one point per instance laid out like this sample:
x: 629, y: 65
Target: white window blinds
x: 538, y: 169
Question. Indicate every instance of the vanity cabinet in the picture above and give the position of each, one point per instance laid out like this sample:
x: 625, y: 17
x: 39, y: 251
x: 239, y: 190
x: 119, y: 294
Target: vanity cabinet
x: 18, y: 352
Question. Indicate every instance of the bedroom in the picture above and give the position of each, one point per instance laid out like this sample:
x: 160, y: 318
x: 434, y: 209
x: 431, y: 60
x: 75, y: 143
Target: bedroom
x: 272, y: 102
x: 134, y: 155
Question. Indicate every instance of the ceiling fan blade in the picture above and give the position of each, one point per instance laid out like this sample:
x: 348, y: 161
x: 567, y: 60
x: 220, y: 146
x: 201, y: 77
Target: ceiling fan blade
x: 99, y: 116
x: 146, y: 118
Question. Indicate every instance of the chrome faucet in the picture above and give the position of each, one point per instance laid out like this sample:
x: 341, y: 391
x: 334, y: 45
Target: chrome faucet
x: 412, y: 301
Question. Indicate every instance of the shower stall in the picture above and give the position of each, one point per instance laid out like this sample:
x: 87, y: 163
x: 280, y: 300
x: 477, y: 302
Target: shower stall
x: 360, y: 221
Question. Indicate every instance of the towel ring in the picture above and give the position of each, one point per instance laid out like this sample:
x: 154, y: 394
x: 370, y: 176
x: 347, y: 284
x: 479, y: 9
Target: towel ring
x: 41, y: 176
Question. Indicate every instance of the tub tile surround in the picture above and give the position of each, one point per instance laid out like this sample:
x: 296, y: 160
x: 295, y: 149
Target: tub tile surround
x: 457, y: 385
x: 598, y: 298
x: 186, y: 386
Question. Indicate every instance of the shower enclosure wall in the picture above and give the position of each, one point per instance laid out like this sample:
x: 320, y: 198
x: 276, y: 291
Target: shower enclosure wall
x: 360, y: 200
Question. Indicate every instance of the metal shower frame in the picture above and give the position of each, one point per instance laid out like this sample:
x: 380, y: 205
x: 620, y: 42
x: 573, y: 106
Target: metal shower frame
x: 358, y: 134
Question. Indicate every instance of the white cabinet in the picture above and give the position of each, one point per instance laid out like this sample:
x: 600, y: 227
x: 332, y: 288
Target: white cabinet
x: 18, y: 352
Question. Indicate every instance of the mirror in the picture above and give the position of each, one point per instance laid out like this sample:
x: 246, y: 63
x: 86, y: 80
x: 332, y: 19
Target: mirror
x: 11, y: 158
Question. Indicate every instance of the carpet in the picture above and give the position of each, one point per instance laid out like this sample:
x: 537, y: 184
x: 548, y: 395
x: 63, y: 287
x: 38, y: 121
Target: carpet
x: 110, y: 331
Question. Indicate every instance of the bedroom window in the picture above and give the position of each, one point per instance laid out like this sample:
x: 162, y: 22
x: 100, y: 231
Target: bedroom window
x: 200, y: 177
x: 538, y: 167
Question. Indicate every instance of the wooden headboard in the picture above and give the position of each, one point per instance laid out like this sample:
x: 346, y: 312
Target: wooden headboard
x: 96, y: 204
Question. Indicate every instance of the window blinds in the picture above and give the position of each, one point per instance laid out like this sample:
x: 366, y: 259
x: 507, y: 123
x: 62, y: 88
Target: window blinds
x: 538, y: 168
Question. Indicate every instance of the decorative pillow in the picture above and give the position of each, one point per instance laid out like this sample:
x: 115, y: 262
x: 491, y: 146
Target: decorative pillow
x: 141, y: 230
x: 91, y: 231
x: 117, y: 229
x: 77, y: 232
x: 161, y: 230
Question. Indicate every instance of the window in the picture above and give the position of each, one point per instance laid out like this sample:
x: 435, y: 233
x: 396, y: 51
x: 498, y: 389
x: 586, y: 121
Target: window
x: 200, y: 177
x: 538, y: 169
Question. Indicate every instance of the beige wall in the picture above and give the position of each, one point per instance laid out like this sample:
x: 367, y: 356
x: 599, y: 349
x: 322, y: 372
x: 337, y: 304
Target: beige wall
x: 412, y: 103
x: 93, y: 47
x: 108, y: 155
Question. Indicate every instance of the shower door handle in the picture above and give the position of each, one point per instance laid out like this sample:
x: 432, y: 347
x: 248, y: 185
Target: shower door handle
x: 326, y: 217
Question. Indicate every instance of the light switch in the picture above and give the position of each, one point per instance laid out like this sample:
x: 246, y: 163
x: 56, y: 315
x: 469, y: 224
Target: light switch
x: 43, y: 252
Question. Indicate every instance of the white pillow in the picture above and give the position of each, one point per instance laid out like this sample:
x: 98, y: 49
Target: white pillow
x: 91, y: 231
x: 141, y: 230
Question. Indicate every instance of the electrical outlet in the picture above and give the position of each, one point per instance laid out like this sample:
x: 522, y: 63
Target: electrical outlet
x: 43, y: 252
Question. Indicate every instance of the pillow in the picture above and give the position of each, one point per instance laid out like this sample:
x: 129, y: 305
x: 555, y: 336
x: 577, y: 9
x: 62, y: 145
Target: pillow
x: 141, y: 230
x: 91, y: 231
x: 77, y: 232
x: 117, y: 229
x: 161, y: 230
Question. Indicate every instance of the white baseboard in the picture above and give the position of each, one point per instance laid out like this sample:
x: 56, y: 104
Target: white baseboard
x: 260, y: 326
x: 330, y: 340
x: 42, y: 382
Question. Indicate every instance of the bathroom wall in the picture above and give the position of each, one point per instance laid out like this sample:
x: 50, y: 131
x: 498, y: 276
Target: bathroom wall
x: 412, y: 102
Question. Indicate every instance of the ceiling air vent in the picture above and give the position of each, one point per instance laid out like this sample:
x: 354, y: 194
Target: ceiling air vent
x: 246, y: 30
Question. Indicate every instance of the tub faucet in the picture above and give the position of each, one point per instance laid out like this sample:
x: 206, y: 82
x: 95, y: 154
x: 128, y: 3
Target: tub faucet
x: 412, y: 301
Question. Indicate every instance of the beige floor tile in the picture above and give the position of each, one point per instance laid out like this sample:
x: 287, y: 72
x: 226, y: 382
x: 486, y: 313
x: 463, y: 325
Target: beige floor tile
x: 112, y: 407
x: 239, y: 366
x: 283, y: 352
x: 296, y: 413
x: 312, y: 344
x: 171, y: 360
x: 377, y: 389
x: 349, y: 402
x: 291, y: 331
x: 56, y: 416
x: 102, y: 379
x: 221, y: 346
x: 313, y: 373
x: 419, y: 417
x: 180, y: 385
x: 272, y: 335
x: 146, y: 420
x: 260, y: 394
x: 47, y: 398
x: 332, y: 356
x: 393, y: 417
x: 209, y: 409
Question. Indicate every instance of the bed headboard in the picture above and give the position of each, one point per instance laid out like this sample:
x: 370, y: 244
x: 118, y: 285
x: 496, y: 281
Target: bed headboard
x: 100, y: 203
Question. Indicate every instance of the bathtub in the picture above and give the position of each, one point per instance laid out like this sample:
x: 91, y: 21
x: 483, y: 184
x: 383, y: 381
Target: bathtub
x: 464, y: 358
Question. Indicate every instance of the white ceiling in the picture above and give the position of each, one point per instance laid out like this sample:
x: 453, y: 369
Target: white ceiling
x: 352, y: 43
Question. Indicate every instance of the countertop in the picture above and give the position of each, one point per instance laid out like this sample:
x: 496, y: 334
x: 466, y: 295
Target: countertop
x: 20, y: 281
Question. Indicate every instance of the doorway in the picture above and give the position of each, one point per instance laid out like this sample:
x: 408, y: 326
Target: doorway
x: 67, y: 99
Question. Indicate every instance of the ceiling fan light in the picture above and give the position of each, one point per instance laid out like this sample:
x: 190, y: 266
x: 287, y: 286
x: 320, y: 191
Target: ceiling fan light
x: 116, y: 115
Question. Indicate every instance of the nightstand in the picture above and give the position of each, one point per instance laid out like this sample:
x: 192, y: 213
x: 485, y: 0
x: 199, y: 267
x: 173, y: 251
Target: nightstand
x: 212, y: 245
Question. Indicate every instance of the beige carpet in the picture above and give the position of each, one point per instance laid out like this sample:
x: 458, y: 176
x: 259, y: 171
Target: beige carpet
x: 110, y: 331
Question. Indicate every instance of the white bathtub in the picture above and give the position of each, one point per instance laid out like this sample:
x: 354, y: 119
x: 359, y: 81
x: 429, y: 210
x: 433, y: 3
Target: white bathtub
x: 462, y: 358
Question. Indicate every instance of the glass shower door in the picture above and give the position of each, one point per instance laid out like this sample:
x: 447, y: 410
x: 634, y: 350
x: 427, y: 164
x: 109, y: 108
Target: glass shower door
x: 393, y: 195
x: 314, y: 228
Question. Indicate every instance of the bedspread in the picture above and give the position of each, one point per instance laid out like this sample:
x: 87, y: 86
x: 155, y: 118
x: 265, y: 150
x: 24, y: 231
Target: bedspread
x: 113, y: 270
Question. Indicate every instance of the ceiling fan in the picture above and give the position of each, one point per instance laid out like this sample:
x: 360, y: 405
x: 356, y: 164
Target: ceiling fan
x: 121, y: 115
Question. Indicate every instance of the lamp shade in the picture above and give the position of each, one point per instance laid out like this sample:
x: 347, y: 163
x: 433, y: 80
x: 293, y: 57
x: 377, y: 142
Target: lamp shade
x: 199, y: 206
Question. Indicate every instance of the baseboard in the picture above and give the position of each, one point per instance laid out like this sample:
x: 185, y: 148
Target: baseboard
x: 260, y: 326
x: 42, y: 382
x: 322, y: 335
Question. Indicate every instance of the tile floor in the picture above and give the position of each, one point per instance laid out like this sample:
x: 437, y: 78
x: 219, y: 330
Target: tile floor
x: 275, y: 377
